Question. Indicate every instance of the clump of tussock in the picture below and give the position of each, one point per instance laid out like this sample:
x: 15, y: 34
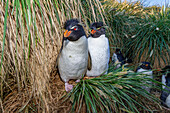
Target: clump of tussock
x: 141, y: 33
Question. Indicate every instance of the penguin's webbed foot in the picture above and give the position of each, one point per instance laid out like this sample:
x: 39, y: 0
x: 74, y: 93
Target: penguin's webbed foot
x: 77, y: 81
x: 68, y: 87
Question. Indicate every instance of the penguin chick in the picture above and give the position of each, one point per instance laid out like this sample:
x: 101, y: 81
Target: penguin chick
x: 145, y: 68
x: 73, y: 58
x: 118, y: 59
x: 98, y: 46
x: 165, y: 94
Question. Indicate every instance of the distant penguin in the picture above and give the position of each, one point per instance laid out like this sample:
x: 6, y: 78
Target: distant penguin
x: 164, y: 72
x: 118, y: 59
x: 98, y: 46
x: 165, y: 94
x: 73, y: 58
x: 145, y: 68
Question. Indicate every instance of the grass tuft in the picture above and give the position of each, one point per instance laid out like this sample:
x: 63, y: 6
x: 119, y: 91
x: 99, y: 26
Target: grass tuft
x: 116, y: 91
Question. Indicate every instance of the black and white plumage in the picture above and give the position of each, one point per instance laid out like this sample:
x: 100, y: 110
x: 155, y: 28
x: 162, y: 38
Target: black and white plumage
x: 73, y: 58
x: 165, y: 94
x: 118, y: 59
x: 146, y: 69
x: 98, y: 46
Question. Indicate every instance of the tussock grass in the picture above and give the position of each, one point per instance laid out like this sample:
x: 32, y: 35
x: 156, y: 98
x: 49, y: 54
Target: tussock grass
x: 117, y: 91
x: 151, y: 41
x: 122, y: 17
x: 142, y: 33
x: 33, y: 39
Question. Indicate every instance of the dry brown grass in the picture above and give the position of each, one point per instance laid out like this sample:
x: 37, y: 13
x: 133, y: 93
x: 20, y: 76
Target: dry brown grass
x: 32, y: 75
x: 26, y: 80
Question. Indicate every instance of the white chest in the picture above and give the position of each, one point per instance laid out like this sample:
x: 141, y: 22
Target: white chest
x: 144, y: 71
x: 168, y: 101
x: 116, y: 61
x: 147, y: 72
x: 163, y: 81
x: 73, y: 59
x: 100, y: 54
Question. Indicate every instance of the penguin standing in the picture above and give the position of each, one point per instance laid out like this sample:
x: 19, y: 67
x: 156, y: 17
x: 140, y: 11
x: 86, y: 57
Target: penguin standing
x: 73, y: 58
x: 98, y: 46
x: 145, y: 68
x: 165, y: 94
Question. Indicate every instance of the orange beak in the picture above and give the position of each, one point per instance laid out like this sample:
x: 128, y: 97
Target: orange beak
x: 93, y: 31
x: 67, y: 33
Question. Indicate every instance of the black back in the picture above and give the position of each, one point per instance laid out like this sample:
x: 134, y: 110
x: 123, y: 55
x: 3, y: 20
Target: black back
x: 120, y: 56
x: 164, y: 95
x: 76, y: 29
x: 168, y: 79
x: 166, y: 71
x: 166, y: 92
x: 99, y: 29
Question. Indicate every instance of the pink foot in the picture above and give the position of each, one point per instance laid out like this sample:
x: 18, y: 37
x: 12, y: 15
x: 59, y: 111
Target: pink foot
x: 78, y: 80
x: 68, y: 87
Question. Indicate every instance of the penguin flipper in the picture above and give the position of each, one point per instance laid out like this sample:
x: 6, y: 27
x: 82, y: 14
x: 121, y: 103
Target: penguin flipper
x: 89, y: 65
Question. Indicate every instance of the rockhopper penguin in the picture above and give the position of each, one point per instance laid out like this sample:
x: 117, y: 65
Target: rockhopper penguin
x: 118, y: 58
x: 98, y: 46
x: 73, y: 58
x: 145, y: 68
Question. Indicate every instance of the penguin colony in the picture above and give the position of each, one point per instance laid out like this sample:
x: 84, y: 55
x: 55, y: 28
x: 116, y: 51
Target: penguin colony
x: 81, y: 55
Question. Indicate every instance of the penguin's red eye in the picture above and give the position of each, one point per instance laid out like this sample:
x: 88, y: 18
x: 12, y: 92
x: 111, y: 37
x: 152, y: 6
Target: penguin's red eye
x: 75, y: 29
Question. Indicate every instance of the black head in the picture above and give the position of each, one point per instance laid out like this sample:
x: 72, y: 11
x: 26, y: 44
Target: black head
x: 97, y: 29
x: 120, y: 56
x: 74, y: 30
x: 128, y: 60
x: 145, y: 65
